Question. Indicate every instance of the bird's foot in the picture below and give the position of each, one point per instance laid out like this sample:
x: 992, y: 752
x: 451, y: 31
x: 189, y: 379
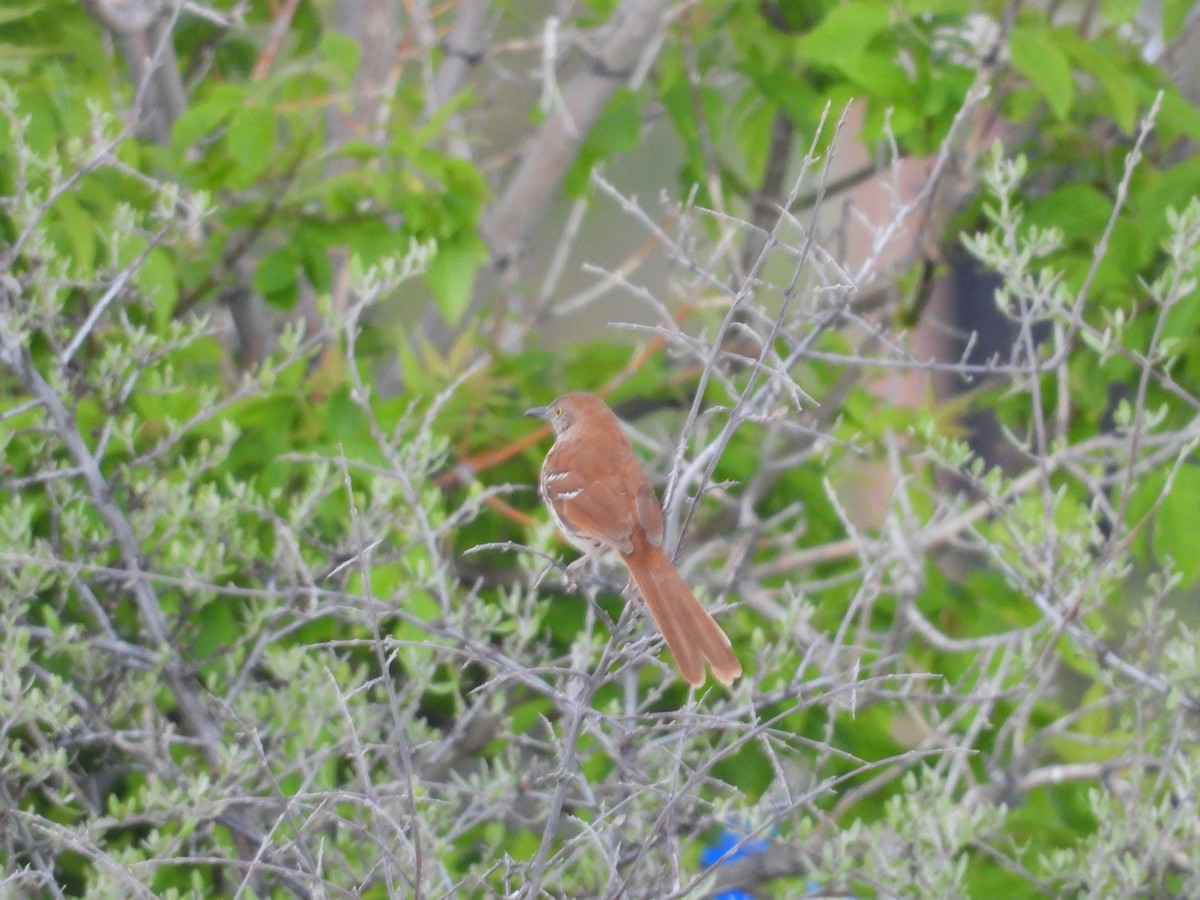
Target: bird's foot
x: 574, y: 570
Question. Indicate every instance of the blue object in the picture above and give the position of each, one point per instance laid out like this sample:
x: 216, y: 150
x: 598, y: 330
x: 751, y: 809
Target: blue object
x: 722, y: 852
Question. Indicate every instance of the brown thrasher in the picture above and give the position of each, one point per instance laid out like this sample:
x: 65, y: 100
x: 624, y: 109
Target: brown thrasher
x: 602, y: 500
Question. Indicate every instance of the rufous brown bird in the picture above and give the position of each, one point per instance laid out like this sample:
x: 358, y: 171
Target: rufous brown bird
x: 601, y: 500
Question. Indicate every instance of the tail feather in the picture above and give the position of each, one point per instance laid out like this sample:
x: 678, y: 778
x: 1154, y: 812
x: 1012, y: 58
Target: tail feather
x: 691, y: 633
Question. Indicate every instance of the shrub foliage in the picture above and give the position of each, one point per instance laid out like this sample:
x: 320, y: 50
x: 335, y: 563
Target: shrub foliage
x: 281, y: 615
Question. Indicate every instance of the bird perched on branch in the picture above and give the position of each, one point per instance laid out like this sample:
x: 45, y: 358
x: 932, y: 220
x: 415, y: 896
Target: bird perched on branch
x: 601, y: 500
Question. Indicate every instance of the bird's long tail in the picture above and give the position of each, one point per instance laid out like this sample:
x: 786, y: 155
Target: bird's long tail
x: 692, y: 634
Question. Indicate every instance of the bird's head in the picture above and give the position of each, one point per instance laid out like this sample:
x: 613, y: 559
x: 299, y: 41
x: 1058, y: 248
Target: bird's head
x: 567, y: 411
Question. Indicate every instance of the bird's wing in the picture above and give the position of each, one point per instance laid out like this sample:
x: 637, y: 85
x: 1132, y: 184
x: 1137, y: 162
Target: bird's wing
x: 599, y: 509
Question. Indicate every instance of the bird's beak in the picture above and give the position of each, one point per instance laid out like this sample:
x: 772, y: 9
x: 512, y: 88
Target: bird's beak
x: 538, y: 412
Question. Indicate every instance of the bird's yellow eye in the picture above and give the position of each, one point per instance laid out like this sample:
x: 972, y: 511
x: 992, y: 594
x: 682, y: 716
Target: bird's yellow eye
x: 558, y: 410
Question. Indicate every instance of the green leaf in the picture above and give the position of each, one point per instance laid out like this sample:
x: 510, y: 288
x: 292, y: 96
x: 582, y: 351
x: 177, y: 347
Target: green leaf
x: 159, y: 281
x: 881, y: 77
x: 340, y: 51
x: 15, y: 12
x: 250, y: 141
x: 842, y: 36
x: 1078, y: 210
x: 1177, y: 522
x: 617, y: 130
x: 451, y: 273
x: 1103, y: 61
x: 1037, y: 56
x: 219, y: 629
x: 1183, y: 319
x: 15, y: 59
x: 680, y: 101
x: 939, y: 7
x: 275, y: 277
x: 1177, y: 117
x: 75, y: 230
x: 1174, y: 14
x: 200, y: 120
x: 315, y: 260
x: 1119, y: 12
x: 1160, y: 191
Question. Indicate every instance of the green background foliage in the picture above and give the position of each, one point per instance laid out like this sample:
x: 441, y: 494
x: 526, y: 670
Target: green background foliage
x: 288, y: 621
